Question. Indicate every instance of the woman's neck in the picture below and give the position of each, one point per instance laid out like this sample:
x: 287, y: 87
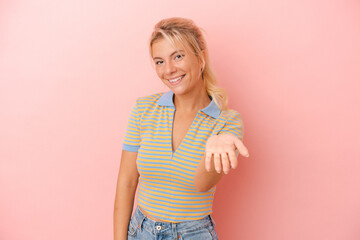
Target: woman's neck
x: 192, y: 102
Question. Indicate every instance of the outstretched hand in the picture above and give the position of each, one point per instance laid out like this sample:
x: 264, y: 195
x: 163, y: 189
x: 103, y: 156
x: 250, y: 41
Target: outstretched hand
x: 222, y: 148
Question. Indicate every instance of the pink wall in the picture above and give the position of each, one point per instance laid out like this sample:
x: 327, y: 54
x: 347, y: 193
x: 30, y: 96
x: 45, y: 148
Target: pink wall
x: 70, y: 72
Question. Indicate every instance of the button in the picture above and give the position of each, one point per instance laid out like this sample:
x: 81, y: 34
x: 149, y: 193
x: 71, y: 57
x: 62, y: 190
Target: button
x: 158, y: 228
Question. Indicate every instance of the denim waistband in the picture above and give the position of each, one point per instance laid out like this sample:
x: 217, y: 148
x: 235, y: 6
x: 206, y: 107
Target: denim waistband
x: 140, y: 221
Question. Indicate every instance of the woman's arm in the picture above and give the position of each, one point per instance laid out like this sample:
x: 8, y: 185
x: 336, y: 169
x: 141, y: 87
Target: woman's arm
x: 205, y: 180
x: 125, y: 193
x: 220, y: 155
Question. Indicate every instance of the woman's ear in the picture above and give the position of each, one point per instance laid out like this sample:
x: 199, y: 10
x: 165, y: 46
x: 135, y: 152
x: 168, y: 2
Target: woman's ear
x: 204, y: 59
x: 204, y: 53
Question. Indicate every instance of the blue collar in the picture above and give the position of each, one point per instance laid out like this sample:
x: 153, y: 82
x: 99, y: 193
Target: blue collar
x: 167, y: 100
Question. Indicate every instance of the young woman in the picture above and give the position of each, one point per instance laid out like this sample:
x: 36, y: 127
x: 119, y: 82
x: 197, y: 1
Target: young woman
x: 178, y: 144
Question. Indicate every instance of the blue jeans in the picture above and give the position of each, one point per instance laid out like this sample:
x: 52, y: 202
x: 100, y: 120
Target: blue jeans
x: 141, y: 227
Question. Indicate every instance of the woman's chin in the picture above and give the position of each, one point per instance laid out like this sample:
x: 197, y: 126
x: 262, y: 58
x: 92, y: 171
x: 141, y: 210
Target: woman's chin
x: 177, y: 90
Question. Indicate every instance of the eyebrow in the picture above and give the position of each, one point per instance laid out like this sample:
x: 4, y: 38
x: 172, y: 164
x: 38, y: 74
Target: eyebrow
x: 171, y: 54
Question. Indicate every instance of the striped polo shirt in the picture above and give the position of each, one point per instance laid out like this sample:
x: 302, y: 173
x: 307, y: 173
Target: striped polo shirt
x: 166, y: 187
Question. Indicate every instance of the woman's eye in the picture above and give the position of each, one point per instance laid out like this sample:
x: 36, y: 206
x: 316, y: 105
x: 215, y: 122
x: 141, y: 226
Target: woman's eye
x: 158, y: 62
x: 179, y: 56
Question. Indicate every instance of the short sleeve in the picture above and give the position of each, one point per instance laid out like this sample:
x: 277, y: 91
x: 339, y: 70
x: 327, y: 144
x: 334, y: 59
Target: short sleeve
x: 234, y: 125
x: 132, y: 135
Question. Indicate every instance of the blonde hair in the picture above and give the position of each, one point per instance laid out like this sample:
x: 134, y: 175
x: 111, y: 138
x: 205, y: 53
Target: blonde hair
x: 180, y: 30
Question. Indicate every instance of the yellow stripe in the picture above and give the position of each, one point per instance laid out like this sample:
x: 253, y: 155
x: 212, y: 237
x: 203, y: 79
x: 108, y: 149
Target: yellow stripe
x: 157, y: 124
x: 191, y: 159
x: 170, y: 195
x: 192, y: 146
x: 154, y: 117
x: 168, y: 179
x: 178, y: 205
x: 166, y: 170
x: 206, y: 130
x: 186, y: 214
x: 202, y: 142
x: 173, y: 200
x: 164, y: 141
x: 158, y: 111
x: 154, y: 128
x: 192, y: 154
x: 176, y: 219
x: 172, y: 177
x: 155, y: 144
x: 131, y: 125
x: 157, y: 157
x: 145, y: 181
x: 150, y: 134
x: 210, y: 125
x: 186, y: 162
x: 171, y: 163
x: 198, y: 194
x: 182, y: 210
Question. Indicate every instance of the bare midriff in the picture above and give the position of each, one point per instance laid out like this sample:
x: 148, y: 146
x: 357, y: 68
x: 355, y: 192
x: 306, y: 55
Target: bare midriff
x: 149, y: 216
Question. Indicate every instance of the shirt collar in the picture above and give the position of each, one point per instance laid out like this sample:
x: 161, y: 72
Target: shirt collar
x: 167, y: 100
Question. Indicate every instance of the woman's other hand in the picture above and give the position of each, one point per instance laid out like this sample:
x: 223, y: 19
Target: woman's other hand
x: 222, y: 148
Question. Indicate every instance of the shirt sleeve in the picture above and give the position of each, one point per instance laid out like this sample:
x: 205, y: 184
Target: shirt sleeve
x: 234, y: 125
x: 132, y: 135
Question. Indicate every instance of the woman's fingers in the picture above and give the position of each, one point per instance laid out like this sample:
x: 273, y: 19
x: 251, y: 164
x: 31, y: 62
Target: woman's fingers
x: 222, y: 161
x: 241, y: 147
x: 217, y: 162
x: 233, y: 159
x: 224, y: 157
x: 225, y: 162
x: 208, y: 156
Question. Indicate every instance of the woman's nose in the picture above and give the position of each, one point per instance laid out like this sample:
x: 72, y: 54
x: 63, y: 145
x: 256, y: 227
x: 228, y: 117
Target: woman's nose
x: 170, y: 68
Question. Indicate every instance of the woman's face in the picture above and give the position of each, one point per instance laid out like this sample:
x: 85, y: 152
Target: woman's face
x: 180, y: 71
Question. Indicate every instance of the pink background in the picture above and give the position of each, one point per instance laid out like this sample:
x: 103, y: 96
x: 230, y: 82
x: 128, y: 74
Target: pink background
x: 70, y: 72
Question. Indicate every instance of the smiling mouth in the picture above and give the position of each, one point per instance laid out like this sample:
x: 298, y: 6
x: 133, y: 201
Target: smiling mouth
x: 175, y: 80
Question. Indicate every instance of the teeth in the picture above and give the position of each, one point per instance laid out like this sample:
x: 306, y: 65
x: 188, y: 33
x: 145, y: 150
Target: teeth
x: 176, y: 79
